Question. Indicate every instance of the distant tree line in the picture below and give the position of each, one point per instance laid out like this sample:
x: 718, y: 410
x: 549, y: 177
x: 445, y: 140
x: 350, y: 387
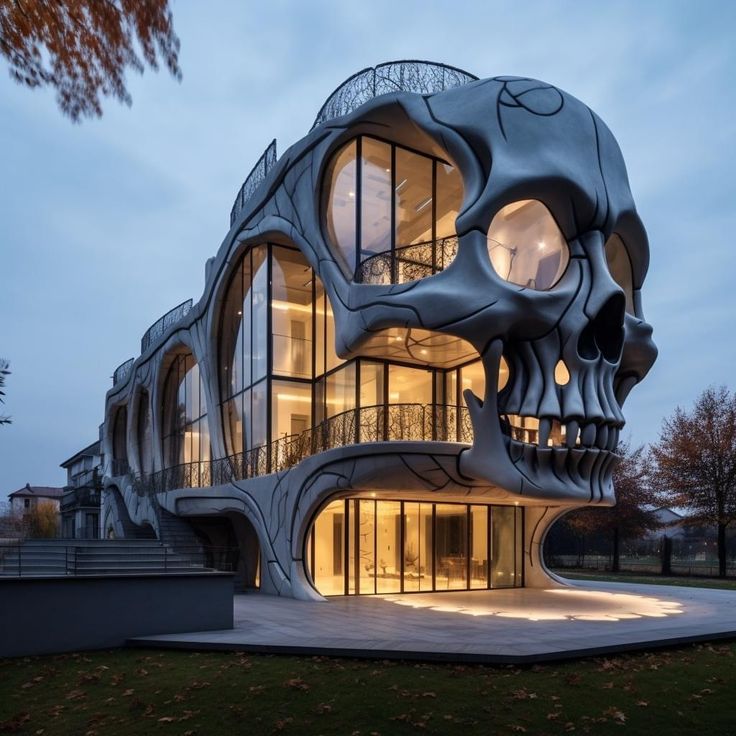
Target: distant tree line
x: 692, y: 466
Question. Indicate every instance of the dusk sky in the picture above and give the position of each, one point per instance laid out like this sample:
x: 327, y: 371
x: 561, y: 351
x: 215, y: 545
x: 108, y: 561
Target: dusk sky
x: 106, y: 225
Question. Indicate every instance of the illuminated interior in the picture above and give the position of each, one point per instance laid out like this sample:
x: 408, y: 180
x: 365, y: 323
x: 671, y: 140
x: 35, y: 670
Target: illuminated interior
x: 362, y: 546
x: 406, y: 384
x: 186, y: 433
x: 526, y: 246
x: 380, y: 199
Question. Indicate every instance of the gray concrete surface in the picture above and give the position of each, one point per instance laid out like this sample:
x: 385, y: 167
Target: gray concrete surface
x: 522, y: 625
x: 45, y: 615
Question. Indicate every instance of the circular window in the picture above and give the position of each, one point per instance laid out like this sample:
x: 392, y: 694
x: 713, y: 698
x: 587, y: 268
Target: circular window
x: 526, y: 246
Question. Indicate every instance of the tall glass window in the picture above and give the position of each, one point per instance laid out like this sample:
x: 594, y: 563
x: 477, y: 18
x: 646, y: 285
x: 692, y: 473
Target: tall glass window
x: 186, y: 433
x: 387, y: 208
x: 366, y: 546
x: 144, y: 434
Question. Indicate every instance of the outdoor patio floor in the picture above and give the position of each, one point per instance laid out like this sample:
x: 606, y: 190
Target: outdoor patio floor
x: 499, y: 626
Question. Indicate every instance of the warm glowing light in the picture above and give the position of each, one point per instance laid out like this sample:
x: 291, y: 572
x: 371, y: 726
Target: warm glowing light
x: 294, y: 397
x: 557, y: 604
x: 562, y: 375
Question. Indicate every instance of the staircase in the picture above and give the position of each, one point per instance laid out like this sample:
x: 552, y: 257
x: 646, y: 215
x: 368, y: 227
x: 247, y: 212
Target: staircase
x: 55, y: 557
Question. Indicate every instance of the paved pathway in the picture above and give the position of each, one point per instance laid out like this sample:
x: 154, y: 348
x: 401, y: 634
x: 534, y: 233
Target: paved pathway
x: 521, y: 625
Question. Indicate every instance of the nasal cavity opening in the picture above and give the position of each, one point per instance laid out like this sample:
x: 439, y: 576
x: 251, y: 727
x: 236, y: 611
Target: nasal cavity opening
x: 604, y: 334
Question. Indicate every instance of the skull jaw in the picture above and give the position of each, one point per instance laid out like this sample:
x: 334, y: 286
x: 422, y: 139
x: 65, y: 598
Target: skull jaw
x: 575, y: 474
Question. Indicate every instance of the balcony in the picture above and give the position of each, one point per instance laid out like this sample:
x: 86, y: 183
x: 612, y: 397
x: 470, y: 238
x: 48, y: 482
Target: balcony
x: 408, y: 263
x: 409, y: 422
x: 75, y: 498
x: 157, y: 329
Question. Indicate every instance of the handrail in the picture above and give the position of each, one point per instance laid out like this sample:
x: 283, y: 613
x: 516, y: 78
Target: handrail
x: 412, y: 75
x: 256, y: 176
x: 408, y: 262
x: 122, y: 371
x: 417, y: 422
x: 163, y: 323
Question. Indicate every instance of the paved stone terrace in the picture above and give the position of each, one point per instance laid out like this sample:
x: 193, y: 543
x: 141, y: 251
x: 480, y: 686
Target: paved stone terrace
x: 500, y: 626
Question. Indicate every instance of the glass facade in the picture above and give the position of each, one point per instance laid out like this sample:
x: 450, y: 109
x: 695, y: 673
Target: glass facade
x: 275, y: 389
x: 383, y: 200
x: 363, y: 546
x: 186, y: 437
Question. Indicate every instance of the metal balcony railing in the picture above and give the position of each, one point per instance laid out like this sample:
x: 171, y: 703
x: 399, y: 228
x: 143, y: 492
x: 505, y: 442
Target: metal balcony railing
x: 417, y: 422
x: 408, y: 262
x: 423, y: 77
x: 254, y: 179
x: 122, y: 371
x: 160, y: 326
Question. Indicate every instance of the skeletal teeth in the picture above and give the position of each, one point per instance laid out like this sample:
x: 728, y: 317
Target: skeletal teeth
x: 601, y: 439
x: 571, y: 438
x: 545, y: 427
x: 587, y: 436
x: 612, y: 440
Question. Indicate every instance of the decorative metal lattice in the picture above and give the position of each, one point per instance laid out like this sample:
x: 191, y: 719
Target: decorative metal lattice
x: 423, y: 77
x: 122, y: 372
x: 408, y: 263
x: 154, y: 332
x: 256, y: 177
x: 418, y: 422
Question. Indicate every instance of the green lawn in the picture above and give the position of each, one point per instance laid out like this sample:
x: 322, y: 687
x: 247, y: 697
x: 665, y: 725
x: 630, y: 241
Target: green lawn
x: 682, y: 691
x: 627, y: 577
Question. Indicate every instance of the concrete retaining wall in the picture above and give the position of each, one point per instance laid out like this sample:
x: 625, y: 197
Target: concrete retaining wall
x: 47, y: 615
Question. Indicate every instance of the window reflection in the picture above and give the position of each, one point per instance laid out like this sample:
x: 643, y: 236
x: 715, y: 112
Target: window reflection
x: 405, y: 203
x: 186, y: 432
x: 526, y: 246
x: 340, y: 203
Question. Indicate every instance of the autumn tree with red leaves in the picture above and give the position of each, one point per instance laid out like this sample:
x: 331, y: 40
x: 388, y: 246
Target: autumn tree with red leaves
x: 694, y: 462
x: 82, y: 48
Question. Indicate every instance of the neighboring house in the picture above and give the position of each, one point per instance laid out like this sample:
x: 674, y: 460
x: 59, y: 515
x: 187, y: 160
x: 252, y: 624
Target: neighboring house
x: 80, y: 505
x: 411, y: 351
x: 671, y: 524
x: 28, y: 497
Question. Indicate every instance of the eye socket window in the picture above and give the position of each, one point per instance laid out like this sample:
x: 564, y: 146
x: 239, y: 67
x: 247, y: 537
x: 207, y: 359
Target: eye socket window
x: 389, y: 212
x: 619, y: 266
x: 526, y: 246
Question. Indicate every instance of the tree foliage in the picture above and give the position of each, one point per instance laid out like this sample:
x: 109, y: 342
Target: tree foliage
x: 694, y: 461
x: 42, y: 520
x: 82, y: 48
x: 4, y: 372
x: 629, y: 518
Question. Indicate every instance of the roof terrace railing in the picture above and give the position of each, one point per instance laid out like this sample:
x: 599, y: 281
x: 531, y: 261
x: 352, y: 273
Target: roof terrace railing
x: 122, y: 371
x: 256, y: 177
x: 423, y: 77
x: 160, y: 326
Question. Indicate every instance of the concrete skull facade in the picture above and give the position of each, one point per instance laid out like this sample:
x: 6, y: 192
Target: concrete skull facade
x: 537, y: 282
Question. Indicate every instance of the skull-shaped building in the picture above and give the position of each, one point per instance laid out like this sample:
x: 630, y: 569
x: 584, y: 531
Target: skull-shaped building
x: 411, y: 352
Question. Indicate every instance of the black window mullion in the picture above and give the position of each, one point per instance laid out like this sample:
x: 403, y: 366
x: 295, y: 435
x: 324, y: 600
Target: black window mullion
x: 346, y: 543
x: 358, y: 206
x: 402, y: 533
x: 434, y: 547
x: 434, y: 215
x: 468, y: 548
x: 488, y: 546
x: 392, y: 245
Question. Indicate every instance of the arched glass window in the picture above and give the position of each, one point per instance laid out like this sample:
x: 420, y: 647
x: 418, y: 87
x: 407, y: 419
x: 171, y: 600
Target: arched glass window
x: 119, y: 440
x: 390, y: 212
x: 186, y: 434
x: 144, y: 434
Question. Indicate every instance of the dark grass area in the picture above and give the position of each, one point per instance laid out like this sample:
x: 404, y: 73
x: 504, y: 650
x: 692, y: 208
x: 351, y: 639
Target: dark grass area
x: 632, y: 577
x: 680, y: 691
